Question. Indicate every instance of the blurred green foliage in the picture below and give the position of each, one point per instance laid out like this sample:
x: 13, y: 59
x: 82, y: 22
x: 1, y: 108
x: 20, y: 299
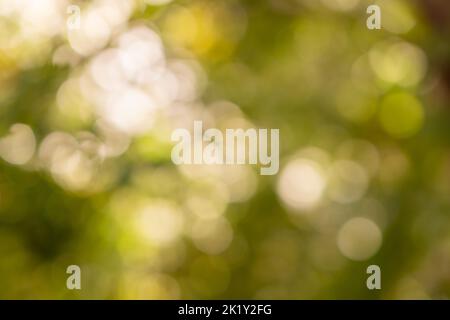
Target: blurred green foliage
x: 363, y: 118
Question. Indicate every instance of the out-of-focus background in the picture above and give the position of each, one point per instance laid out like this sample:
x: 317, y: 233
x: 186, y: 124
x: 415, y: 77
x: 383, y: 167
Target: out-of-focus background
x: 88, y: 101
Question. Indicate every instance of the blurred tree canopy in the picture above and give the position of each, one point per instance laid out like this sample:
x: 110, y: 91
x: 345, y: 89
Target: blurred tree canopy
x: 86, y: 176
